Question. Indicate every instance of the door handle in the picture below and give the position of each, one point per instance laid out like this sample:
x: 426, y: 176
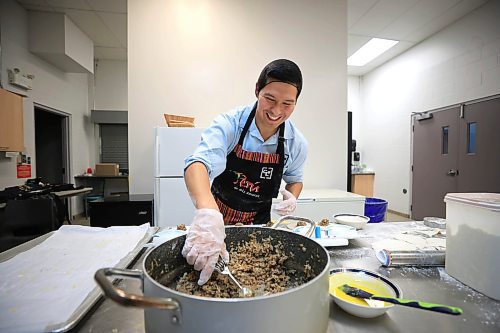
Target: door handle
x: 452, y: 173
x: 305, y: 200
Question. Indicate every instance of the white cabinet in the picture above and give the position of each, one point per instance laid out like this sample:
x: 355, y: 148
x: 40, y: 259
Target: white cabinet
x: 324, y: 203
x: 11, y: 121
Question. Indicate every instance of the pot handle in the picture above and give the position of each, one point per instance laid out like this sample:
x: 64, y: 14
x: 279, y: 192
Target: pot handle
x: 123, y: 298
x: 312, y: 224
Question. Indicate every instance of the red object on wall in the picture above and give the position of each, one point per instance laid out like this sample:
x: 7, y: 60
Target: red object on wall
x: 24, y: 171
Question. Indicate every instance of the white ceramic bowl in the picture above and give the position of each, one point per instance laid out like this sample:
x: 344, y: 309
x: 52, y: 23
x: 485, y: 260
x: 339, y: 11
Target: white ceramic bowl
x: 353, y: 220
x: 377, y: 282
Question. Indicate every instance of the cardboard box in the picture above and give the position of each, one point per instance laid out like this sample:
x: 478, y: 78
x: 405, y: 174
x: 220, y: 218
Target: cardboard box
x: 473, y: 240
x: 178, y: 121
x: 107, y: 169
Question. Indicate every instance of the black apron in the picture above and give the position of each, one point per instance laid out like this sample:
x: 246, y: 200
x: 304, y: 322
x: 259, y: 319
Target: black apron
x: 244, y: 191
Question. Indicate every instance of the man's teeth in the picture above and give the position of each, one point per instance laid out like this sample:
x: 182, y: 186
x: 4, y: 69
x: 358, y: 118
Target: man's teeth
x: 273, y: 118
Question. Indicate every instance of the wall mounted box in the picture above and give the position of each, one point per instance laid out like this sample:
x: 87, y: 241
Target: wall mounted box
x: 473, y: 240
x: 56, y: 39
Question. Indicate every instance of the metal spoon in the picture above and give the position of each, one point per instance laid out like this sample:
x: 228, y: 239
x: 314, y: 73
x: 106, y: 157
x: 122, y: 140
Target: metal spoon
x: 222, y: 268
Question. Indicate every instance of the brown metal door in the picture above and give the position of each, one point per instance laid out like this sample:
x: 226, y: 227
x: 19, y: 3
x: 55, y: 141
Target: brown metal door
x: 479, y: 148
x: 435, y: 161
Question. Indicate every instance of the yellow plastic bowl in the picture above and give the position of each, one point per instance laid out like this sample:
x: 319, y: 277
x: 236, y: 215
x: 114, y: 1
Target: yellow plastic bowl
x: 366, y: 280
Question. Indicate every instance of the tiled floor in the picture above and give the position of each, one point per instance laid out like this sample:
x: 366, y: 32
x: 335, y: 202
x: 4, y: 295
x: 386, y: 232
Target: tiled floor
x: 80, y: 220
x: 392, y: 217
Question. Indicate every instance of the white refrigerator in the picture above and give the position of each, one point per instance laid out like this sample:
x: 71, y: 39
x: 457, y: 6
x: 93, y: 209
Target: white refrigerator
x: 172, y: 204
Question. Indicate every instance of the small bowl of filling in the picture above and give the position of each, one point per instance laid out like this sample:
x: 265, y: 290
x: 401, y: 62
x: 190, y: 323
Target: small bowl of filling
x: 368, y: 281
x: 353, y: 220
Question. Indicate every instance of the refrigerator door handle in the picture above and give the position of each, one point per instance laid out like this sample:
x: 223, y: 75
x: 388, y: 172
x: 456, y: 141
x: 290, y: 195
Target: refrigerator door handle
x: 157, y: 155
x: 157, y: 200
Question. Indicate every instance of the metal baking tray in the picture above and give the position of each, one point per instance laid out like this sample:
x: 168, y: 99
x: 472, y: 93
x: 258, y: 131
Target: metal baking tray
x: 94, y: 296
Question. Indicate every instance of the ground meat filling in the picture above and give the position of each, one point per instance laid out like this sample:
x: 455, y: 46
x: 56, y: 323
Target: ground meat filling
x: 324, y: 223
x: 258, y: 265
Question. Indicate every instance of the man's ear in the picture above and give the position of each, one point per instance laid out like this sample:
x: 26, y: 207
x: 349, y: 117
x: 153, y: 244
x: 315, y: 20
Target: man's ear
x: 256, y: 90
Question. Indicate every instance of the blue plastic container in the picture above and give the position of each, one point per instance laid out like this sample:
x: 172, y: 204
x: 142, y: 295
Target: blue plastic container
x: 375, y: 209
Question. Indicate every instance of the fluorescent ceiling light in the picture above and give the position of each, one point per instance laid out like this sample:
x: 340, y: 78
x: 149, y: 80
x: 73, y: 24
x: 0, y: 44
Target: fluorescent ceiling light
x: 369, y: 51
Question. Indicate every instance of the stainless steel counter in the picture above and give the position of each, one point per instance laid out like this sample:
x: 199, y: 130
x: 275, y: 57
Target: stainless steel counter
x: 481, y: 314
x: 432, y: 284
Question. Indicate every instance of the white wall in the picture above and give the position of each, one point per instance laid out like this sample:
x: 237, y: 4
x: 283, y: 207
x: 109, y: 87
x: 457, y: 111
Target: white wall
x: 110, y: 82
x: 353, y: 105
x: 203, y: 58
x: 66, y: 92
x: 459, y: 63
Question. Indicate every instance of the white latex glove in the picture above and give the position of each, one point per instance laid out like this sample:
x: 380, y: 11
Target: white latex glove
x: 205, y: 242
x: 288, y: 204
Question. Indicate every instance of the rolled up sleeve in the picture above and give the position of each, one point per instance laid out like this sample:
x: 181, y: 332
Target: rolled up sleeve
x: 215, y: 143
x: 298, y: 149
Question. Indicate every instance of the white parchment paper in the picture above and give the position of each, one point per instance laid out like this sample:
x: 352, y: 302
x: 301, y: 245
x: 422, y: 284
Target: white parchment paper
x: 43, y: 286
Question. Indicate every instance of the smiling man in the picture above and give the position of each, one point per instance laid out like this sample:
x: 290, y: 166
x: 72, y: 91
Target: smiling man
x: 246, y: 153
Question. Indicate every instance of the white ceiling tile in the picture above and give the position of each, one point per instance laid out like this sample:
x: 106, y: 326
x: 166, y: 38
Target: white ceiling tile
x: 92, y: 25
x: 113, y: 6
x: 117, y: 23
x: 380, y: 16
x: 38, y: 8
x: 118, y: 53
x: 423, y: 13
x: 354, y: 42
x: 42, y: 3
x: 447, y: 18
x: 105, y: 22
x: 70, y: 4
x: 356, y: 9
x: 400, y: 29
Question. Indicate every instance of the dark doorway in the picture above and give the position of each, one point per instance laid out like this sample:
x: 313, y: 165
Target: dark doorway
x: 51, y: 146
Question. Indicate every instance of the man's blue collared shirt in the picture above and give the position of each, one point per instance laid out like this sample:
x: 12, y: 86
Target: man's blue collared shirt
x: 222, y: 136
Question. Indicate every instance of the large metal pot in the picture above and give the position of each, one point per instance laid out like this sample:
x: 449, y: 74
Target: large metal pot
x: 301, y: 309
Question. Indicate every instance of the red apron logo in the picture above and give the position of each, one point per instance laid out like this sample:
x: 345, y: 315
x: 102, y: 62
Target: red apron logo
x: 244, y: 183
x: 266, y: 173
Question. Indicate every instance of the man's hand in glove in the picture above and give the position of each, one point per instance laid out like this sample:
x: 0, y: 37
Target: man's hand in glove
x: 287, y: 206
x: 205, y: 242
